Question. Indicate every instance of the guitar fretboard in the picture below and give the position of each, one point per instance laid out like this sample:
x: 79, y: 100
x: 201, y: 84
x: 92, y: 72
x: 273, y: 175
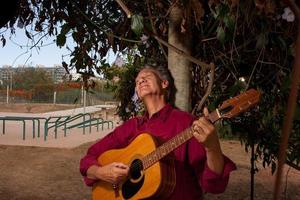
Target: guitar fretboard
x: 167, y: 148
x: 173, y: 143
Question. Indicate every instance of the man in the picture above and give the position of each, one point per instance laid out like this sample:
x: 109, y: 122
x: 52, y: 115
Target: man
x: 200, y: 165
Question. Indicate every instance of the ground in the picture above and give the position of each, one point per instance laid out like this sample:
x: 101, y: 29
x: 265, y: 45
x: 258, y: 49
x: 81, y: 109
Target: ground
x: 33, y: 108
x: 35, y: 173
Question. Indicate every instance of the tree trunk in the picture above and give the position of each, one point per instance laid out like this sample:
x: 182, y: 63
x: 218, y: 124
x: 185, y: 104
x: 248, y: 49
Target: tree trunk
x: 178, y: 65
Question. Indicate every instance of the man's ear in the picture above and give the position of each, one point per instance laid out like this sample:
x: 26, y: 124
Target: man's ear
x: 164, y: 84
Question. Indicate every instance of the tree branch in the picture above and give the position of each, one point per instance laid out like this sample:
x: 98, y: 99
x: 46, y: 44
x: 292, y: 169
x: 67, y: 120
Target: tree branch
x: 291, y: 106
x: 209, y: 89
x: 154, y: 30
x: 293, y: 165
x: 124, y: 7
x: 107, y: 33
x: 203, y: 65
x: 251, y: 75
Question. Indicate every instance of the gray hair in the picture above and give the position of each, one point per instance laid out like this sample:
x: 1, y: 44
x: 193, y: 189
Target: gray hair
x: 164, y: 74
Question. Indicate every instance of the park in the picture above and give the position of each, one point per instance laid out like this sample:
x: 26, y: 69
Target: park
x: 215, y: 52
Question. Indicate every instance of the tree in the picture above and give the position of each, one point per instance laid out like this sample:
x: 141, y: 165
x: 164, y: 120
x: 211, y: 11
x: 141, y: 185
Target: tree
x: 247, y: 43
x: 35, y: 80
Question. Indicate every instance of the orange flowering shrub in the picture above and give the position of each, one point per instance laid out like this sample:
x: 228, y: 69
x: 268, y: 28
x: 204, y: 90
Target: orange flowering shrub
x: 21, y: 93
x: 67, y: 86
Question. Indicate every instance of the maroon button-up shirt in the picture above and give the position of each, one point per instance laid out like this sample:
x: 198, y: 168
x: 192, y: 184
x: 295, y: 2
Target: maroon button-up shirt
x: 192, y: 173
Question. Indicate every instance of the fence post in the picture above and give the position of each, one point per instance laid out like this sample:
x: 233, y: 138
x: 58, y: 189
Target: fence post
x: 7, y: 94
x: 54, y: 98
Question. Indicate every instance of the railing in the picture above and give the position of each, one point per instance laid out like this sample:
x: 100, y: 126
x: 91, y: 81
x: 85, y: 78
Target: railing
x: 71, y: 119
x: 23, y: 119
x: 92, y: 122
x: 56, y: 121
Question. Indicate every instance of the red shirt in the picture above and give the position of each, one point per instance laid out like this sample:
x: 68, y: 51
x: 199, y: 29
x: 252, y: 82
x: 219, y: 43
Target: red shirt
x: 192, y: 173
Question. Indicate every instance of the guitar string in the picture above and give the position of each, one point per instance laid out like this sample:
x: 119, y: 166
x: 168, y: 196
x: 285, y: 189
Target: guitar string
x: 139, y: 165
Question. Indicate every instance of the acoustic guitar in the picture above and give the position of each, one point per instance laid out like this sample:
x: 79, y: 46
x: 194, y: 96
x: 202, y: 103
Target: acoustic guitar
x: 152, y: 172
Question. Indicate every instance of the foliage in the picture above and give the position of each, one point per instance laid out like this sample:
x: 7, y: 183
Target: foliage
x: 256, y: 46
x: 35, y: 81
x: 21, y: 93
x: 250, y: 42
x: 68, y: 85
x: 123, y: 85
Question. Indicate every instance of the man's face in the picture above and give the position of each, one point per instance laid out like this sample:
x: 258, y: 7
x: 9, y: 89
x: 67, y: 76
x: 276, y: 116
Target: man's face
x: 148, y: 82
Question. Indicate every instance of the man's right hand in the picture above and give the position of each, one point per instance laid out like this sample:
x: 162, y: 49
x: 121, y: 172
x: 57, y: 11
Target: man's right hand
x: 112, y: 173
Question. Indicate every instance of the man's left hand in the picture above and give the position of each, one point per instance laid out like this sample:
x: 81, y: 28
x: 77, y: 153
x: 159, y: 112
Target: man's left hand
x: 205, y: 132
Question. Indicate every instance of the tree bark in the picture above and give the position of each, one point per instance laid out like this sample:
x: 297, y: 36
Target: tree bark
x: 177, y: 64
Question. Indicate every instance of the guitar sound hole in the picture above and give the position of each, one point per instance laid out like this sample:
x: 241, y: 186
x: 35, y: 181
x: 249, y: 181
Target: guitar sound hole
x: 135, y: 169
x: 132, y: 185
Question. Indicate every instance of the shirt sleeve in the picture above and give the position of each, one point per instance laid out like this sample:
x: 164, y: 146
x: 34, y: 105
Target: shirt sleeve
x: 118, y: 138
x: 208, y: 180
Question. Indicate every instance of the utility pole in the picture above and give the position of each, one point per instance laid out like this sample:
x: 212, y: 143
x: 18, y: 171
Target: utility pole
x: 11, y: 75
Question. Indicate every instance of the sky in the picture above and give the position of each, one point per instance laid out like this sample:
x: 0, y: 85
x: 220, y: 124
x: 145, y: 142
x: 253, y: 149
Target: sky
x: 49, y: 55
x: 14, y: 55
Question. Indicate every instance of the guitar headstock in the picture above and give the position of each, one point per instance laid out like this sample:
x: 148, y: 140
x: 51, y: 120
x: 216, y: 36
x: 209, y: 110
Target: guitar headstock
x: 238, y: 104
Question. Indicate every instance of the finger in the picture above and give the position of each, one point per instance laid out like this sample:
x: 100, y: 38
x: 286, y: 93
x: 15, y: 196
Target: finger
x: 199, y: 135
x: 202, y: 122
x: 121, y: 165
x: 205, y: 112
x: 206, y: 121
x: 196, y: 127
x: 205, y: 126
x: 121, y: 171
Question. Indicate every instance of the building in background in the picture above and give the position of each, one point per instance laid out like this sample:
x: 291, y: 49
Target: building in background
x: 57, y: 73
x: 6, y: 74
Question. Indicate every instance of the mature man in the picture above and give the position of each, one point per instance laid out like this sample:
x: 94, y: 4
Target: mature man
x: 200, y: 165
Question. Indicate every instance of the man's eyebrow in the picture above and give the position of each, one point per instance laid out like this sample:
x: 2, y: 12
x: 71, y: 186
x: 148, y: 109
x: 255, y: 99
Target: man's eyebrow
x: 146, y: 75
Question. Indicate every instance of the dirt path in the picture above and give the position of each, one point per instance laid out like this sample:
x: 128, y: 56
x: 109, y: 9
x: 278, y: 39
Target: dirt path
x: 41, y: 173
x: 34, y: 107
x: 28, y: 173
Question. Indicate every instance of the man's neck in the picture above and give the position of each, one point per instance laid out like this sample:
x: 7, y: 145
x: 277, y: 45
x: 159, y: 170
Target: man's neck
x: 154, y: 105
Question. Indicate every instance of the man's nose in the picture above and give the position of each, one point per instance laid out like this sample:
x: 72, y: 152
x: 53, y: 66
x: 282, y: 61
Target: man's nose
x: 141, y: 81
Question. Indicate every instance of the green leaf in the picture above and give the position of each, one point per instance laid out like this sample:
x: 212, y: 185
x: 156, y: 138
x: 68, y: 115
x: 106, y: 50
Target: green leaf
x: 281, y: 42
x: 221, y: 34
x: 222, y: 11
x: 65, y: 29
x: 75, y: 36
x: 60, y: 40
x: 273, y: 166
x: 137, y: 24
x: 229, y: 22
x: 28, y: 34
x: 3, y: 41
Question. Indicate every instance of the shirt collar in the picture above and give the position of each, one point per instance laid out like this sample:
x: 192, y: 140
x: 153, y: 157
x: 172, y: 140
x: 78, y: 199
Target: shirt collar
x: 162, y: 113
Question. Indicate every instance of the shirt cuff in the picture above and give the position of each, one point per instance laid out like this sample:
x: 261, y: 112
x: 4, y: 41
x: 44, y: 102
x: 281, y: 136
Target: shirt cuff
x: 85, y: 165
x: 89, y: 182
x: 228, y: 167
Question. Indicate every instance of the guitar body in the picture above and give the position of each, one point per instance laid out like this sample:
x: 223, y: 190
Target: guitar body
x: 155, y: 182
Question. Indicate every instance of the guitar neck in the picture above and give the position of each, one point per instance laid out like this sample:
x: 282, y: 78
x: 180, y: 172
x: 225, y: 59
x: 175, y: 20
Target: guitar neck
x: 173, y: 143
